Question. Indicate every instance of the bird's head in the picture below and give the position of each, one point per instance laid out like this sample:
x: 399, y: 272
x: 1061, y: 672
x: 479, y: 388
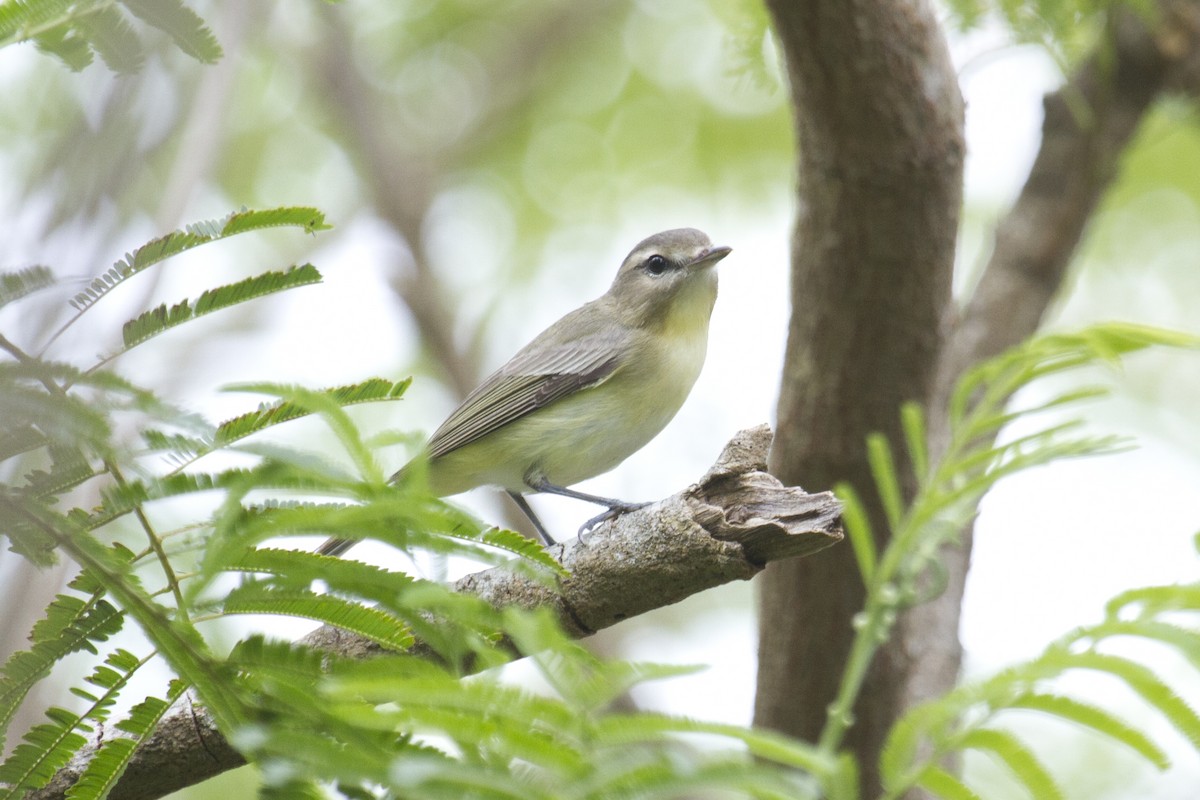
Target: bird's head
x: 668, y: 280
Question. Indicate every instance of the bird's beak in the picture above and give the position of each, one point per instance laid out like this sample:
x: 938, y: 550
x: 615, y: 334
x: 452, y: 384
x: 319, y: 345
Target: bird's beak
x: 709, y: 257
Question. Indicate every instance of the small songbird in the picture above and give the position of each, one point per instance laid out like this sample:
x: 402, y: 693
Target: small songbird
x: 590, y: 390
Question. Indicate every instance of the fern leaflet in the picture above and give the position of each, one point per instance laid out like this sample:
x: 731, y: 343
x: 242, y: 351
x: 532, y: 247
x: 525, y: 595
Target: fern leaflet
x: 70, y: 625
x: 1096, y: 718
x: 15, y: 285
x: 182, y: 24
x: 158, y: 320
x: 192, y: 236
x: 49, y: 746
x: 109, y: 763
x: 111, y: 36
x: 384, y: 629
x: 1018, y: 758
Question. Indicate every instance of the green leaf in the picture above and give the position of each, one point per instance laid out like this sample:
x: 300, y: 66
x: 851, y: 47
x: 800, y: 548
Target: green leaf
x: 912, y: 419
x: 1185, y: 641
x: 70, y: 625
x: 21, y: 19
x: 331, y: 410
x: 108, y: 764
x: 301, y: 568
x: 15, y: 285
x: 942, y: 783
x: 1018, y: 758
x: 1152, y: 599
x: 887, y: 479
x: 518, y: 545
x: 20, y: 439
x: 160, y: 319
x: 1148, y: 685
x: 48, y: 747
x: 269, y: 414
x: 858, y: 528
x: 67, y: 45
x: 192, y: 236
x: 182, y: 24
x: 1099, y: 720
x: 109, y: 33
x: 627, y: 729
x: 384, y: 629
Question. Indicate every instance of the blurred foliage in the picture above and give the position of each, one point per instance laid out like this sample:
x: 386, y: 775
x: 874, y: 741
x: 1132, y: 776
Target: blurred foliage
x: 1067, y: 29
x: 77, y: 30
x: 555, y: 112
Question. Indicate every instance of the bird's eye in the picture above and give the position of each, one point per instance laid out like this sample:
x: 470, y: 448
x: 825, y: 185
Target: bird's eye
x: 656, y: 265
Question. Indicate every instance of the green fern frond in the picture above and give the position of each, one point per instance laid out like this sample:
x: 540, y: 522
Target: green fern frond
x: 1185, y: 641
x: 25, y: 19
x: 256, y: 598
x: 111, y: 36
x: 270, y: 414
x: 886, y: 476
x: 183, y: 25
x: 943, y: 784
x: 118, y: 500
x: 948, y: 492
x: 20, y: 439
x: 158, y: 320
x: 69, y: 468
x: 178, y: 448
x: 1147, y: 685
x: 15, y: 285
x: 1019, y: 759
x: 1090, y: 716
x: 70, y: 625
x: 46, y: 749
x: 180, y: 241
x: 516, y: 544
x: 108, y: 764
x: 301, y: 568
x: 49, y: 746
x: 1148, y: 600
x: 332, y: 411
x: 281, y: 660
x: 66, y: 45
x: 621, y: 730
x: 62, y: 418
x: 950, y: 722
x: 858, y: 529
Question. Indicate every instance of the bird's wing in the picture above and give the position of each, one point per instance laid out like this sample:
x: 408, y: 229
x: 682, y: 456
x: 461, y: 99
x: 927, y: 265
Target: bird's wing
x: 533, y: 379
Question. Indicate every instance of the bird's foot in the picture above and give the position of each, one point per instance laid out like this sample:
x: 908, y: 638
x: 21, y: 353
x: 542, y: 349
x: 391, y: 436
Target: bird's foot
x: 612, y: 512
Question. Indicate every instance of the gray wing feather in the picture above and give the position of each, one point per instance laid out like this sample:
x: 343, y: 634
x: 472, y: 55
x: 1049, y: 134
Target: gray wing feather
x: 533, y: 379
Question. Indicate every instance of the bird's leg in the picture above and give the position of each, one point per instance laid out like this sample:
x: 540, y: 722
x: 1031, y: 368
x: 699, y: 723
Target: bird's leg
x: 615, y: 507
x: 523, y: 504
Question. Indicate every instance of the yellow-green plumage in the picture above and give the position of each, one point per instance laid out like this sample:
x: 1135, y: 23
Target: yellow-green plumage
x: 594, y: 387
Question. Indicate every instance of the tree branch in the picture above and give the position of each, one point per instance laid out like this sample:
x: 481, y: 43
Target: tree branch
x: 726, y: 527
x: 1088, y: 124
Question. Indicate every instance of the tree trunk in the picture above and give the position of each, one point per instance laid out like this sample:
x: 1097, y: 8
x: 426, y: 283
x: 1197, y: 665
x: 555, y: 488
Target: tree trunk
x: 879, y: 121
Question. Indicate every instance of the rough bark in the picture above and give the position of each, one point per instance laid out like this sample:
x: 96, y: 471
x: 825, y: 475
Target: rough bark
x: 726, y: 527
x: 1088, y: 124
x: 879, y: 121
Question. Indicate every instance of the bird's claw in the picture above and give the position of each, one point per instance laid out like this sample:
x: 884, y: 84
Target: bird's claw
x: 612, y: 512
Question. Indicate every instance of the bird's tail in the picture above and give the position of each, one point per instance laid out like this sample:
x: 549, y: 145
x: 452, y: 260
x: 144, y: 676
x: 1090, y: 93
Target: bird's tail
x: 335, y: 546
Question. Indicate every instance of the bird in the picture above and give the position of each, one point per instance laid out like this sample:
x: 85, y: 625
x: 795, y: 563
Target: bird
x: 589, y: 391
